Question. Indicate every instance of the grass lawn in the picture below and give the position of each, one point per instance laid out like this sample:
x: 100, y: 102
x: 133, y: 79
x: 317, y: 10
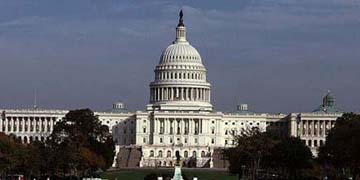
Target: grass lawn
x: 139, y: 174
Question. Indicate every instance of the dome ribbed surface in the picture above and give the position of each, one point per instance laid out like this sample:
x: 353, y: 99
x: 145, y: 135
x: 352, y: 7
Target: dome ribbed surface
x: 180, y: 52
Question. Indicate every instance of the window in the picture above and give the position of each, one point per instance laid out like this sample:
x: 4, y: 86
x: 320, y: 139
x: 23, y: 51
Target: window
x: 161, y: 140
x: 196, y: 140
x: 202, y: 153
x: 160, y: 153
x: 212, y: 141
x: 144, y: 130
x: 226, y: 142
x: 233, y: 123
x: 309, y: 143
x: 168, y: 153
x: 194, y: 154
x: 151, y: 153
x: 144, y: 140
x: 213, y: 122
x: 186, y: 154
x: 226, y: 132
x: 185, y: 140
x: 226, y: 123
x: 171, y: 140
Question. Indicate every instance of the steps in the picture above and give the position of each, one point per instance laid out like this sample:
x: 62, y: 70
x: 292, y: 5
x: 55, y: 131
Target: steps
x: 219, y: 159
x: 128, y: 157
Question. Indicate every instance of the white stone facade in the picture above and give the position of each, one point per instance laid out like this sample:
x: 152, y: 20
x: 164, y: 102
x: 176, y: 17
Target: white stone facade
x: 179, y: 116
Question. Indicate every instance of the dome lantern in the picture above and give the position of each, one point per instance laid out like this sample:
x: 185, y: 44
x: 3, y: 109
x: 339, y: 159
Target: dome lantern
x: 180, y: 30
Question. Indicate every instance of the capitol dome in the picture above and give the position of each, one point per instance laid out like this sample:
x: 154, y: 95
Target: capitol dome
x: 180, y: 77
x: 180, y: 52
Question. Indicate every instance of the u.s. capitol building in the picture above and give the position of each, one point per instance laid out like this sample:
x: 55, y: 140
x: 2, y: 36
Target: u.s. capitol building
x: 179, y: 118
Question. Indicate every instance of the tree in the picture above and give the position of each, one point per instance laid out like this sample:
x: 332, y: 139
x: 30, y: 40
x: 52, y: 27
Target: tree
x: 342, y: 148
x: 252, y: 152
x: 83, y: 144
x: 291, y: 155
x: 13, y: 155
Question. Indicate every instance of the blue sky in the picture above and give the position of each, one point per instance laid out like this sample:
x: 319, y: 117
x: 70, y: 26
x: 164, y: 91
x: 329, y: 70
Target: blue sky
x: 276, y: 55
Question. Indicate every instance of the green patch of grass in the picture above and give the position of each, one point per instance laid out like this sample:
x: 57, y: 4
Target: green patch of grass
x: 141, y: 173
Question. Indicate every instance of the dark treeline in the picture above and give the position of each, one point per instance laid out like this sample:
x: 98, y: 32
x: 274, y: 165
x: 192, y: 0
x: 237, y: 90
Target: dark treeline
x: 265, y: 155
x: 78, y: 146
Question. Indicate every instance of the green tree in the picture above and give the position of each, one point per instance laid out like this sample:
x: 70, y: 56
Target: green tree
x: 82, y: 143
x: 252, y: 152
x: 342, y: 148
x: 291, y: 155
x: 13, y: 155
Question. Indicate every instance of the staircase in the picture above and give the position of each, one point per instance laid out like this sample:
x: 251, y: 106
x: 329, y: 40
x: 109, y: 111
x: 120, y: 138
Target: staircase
x: 219, y: 159
x: 134, y: 157
x: 128, y: 157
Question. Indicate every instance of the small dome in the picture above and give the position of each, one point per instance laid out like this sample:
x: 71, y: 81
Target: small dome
x: 180, y: 52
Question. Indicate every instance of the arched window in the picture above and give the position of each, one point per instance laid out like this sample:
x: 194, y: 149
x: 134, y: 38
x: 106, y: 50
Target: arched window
x: 186, y: 154
x: 309, y: 143
x: 151, y: 153
x: 194, y: 154
x: 160, y: 153
x: 202, y: 153
x: 168, y: 153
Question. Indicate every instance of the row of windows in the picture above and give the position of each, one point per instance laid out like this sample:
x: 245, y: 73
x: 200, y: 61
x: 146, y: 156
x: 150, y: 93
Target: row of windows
x: 167, y: 57
x: 179, y: 75
x: 185, y: 154
x: 185, y: 140
x: 191, y: 67
x: 242, y: 123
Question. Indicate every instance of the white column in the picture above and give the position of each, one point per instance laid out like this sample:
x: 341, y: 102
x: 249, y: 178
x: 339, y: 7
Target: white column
x: 6, y: 125
x: 166, y: 122
x: 163, y: 93
x: 185, y: 93
x: 182, y: 126
x: 52, y: 124
x: 155, y: 126
x: 176, y: 92
x: 191, y: 94
x: 209, y: 98
x: 313, y: 128
x: 17, y: 124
